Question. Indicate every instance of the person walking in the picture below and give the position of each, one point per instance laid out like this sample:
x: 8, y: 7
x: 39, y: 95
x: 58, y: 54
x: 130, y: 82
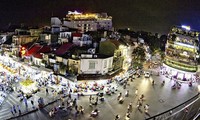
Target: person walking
x: 32, y: 102
x: 25, y: 101
x: 81, y: 109
x: 97, y: 99
x: 14, y: 109
x: 19, y: 109
x: 11, y: 110
x: 127, y: 93
x: 153, y: 82
x: 136, y: 92
x: 90, y: 98
x: 146, y: 108
x: 47, y: 91
x: 130, y: 107
x: 74, y: 102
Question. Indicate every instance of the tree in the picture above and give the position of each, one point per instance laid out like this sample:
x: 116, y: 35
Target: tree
x: 163, y: 40
x: 107, y: 48
x: 139, y: 54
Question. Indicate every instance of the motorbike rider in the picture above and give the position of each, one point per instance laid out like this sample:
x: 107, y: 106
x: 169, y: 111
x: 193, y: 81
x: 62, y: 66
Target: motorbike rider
x: 94, y: 113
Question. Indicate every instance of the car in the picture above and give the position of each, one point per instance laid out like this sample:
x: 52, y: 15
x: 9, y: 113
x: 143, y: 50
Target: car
x: 146, y: 74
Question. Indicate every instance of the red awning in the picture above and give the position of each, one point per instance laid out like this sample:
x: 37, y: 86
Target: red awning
x: 34, y: 49
x: 64, y: 48
x: 44, y: 49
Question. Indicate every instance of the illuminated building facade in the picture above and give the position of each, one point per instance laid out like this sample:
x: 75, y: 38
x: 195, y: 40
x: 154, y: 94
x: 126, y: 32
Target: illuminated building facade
x: 88, y: 21
x: 181, y: 53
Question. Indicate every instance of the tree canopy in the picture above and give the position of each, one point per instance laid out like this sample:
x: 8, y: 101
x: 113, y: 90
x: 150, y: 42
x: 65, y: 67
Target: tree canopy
x: 107, y: 48
x: 139, y: 54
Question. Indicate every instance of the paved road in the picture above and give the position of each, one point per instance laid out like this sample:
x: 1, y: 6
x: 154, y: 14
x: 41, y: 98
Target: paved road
x: 12, y: 99
x: 160, y: 98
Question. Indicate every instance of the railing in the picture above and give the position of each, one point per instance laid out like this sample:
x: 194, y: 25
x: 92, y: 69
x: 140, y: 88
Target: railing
x: 185, y: 111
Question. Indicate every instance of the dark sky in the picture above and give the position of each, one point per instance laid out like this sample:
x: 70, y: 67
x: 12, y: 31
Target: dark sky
x: 149, y: 15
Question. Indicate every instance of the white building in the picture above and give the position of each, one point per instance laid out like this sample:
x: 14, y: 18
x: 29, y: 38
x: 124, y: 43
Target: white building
x: 94, y: 64
x: 88, y: 21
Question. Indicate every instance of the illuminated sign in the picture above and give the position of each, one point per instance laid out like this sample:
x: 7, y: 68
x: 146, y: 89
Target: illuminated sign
x: 186, y: 27
x: 23, y: 51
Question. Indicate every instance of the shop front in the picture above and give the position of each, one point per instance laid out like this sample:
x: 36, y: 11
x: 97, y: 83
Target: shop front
x: 177, y: 74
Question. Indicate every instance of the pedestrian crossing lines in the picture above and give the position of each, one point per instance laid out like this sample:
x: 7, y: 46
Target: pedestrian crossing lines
x: 12, y: 99
x: 5, y: 111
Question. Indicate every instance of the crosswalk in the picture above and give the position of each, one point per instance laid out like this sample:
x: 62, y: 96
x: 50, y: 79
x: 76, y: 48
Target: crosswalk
x: 12, y: 99
x: 5, y: 111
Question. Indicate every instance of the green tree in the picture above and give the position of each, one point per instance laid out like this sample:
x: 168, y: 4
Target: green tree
x: 107, y: 48
x: 139, y: 54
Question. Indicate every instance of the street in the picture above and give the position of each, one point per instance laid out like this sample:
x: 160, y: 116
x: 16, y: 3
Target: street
x: 159, y: 98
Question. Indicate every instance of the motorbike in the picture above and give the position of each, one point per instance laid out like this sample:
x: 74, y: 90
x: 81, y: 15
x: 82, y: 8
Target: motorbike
x: 121, y: 100
x: 117, y: 117
x: 174, y: 86
x: 163, y: 83
x: 127, y: 93
x: 94, y: 113
x: 178, y: 85
x: 119, y: 96
x: 190, y: 84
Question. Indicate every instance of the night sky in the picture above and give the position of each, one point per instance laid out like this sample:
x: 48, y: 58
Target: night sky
x: 149, y: 15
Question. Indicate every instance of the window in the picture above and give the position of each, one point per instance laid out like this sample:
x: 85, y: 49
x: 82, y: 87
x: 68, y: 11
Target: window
x: 92, y: 65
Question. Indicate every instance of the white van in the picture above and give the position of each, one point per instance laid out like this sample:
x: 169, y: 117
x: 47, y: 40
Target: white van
x: 146, y: 74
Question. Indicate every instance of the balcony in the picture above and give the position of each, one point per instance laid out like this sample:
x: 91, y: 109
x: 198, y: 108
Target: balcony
x: 182, y: 60
x: 180, y: 66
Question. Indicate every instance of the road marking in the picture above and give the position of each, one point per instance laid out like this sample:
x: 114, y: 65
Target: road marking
x: 5, y: 116
x: 12, y: 100
x: 7, y: 101
x: 2, y: 110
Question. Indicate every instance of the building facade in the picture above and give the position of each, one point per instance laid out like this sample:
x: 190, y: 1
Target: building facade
x: 181, y: 53
x: 88, y: 21
x: 94, y: 64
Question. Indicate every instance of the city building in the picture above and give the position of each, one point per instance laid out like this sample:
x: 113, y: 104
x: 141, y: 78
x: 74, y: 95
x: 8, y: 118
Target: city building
x: 87, y: 21
x: 95, y: 64
x: 181, y: 53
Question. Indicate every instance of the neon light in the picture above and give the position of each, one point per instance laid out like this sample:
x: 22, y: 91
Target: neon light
x: 186, y: 27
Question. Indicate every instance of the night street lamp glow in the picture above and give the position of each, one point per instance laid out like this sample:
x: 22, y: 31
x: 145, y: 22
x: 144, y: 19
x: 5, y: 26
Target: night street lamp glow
x: 186, y: 27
